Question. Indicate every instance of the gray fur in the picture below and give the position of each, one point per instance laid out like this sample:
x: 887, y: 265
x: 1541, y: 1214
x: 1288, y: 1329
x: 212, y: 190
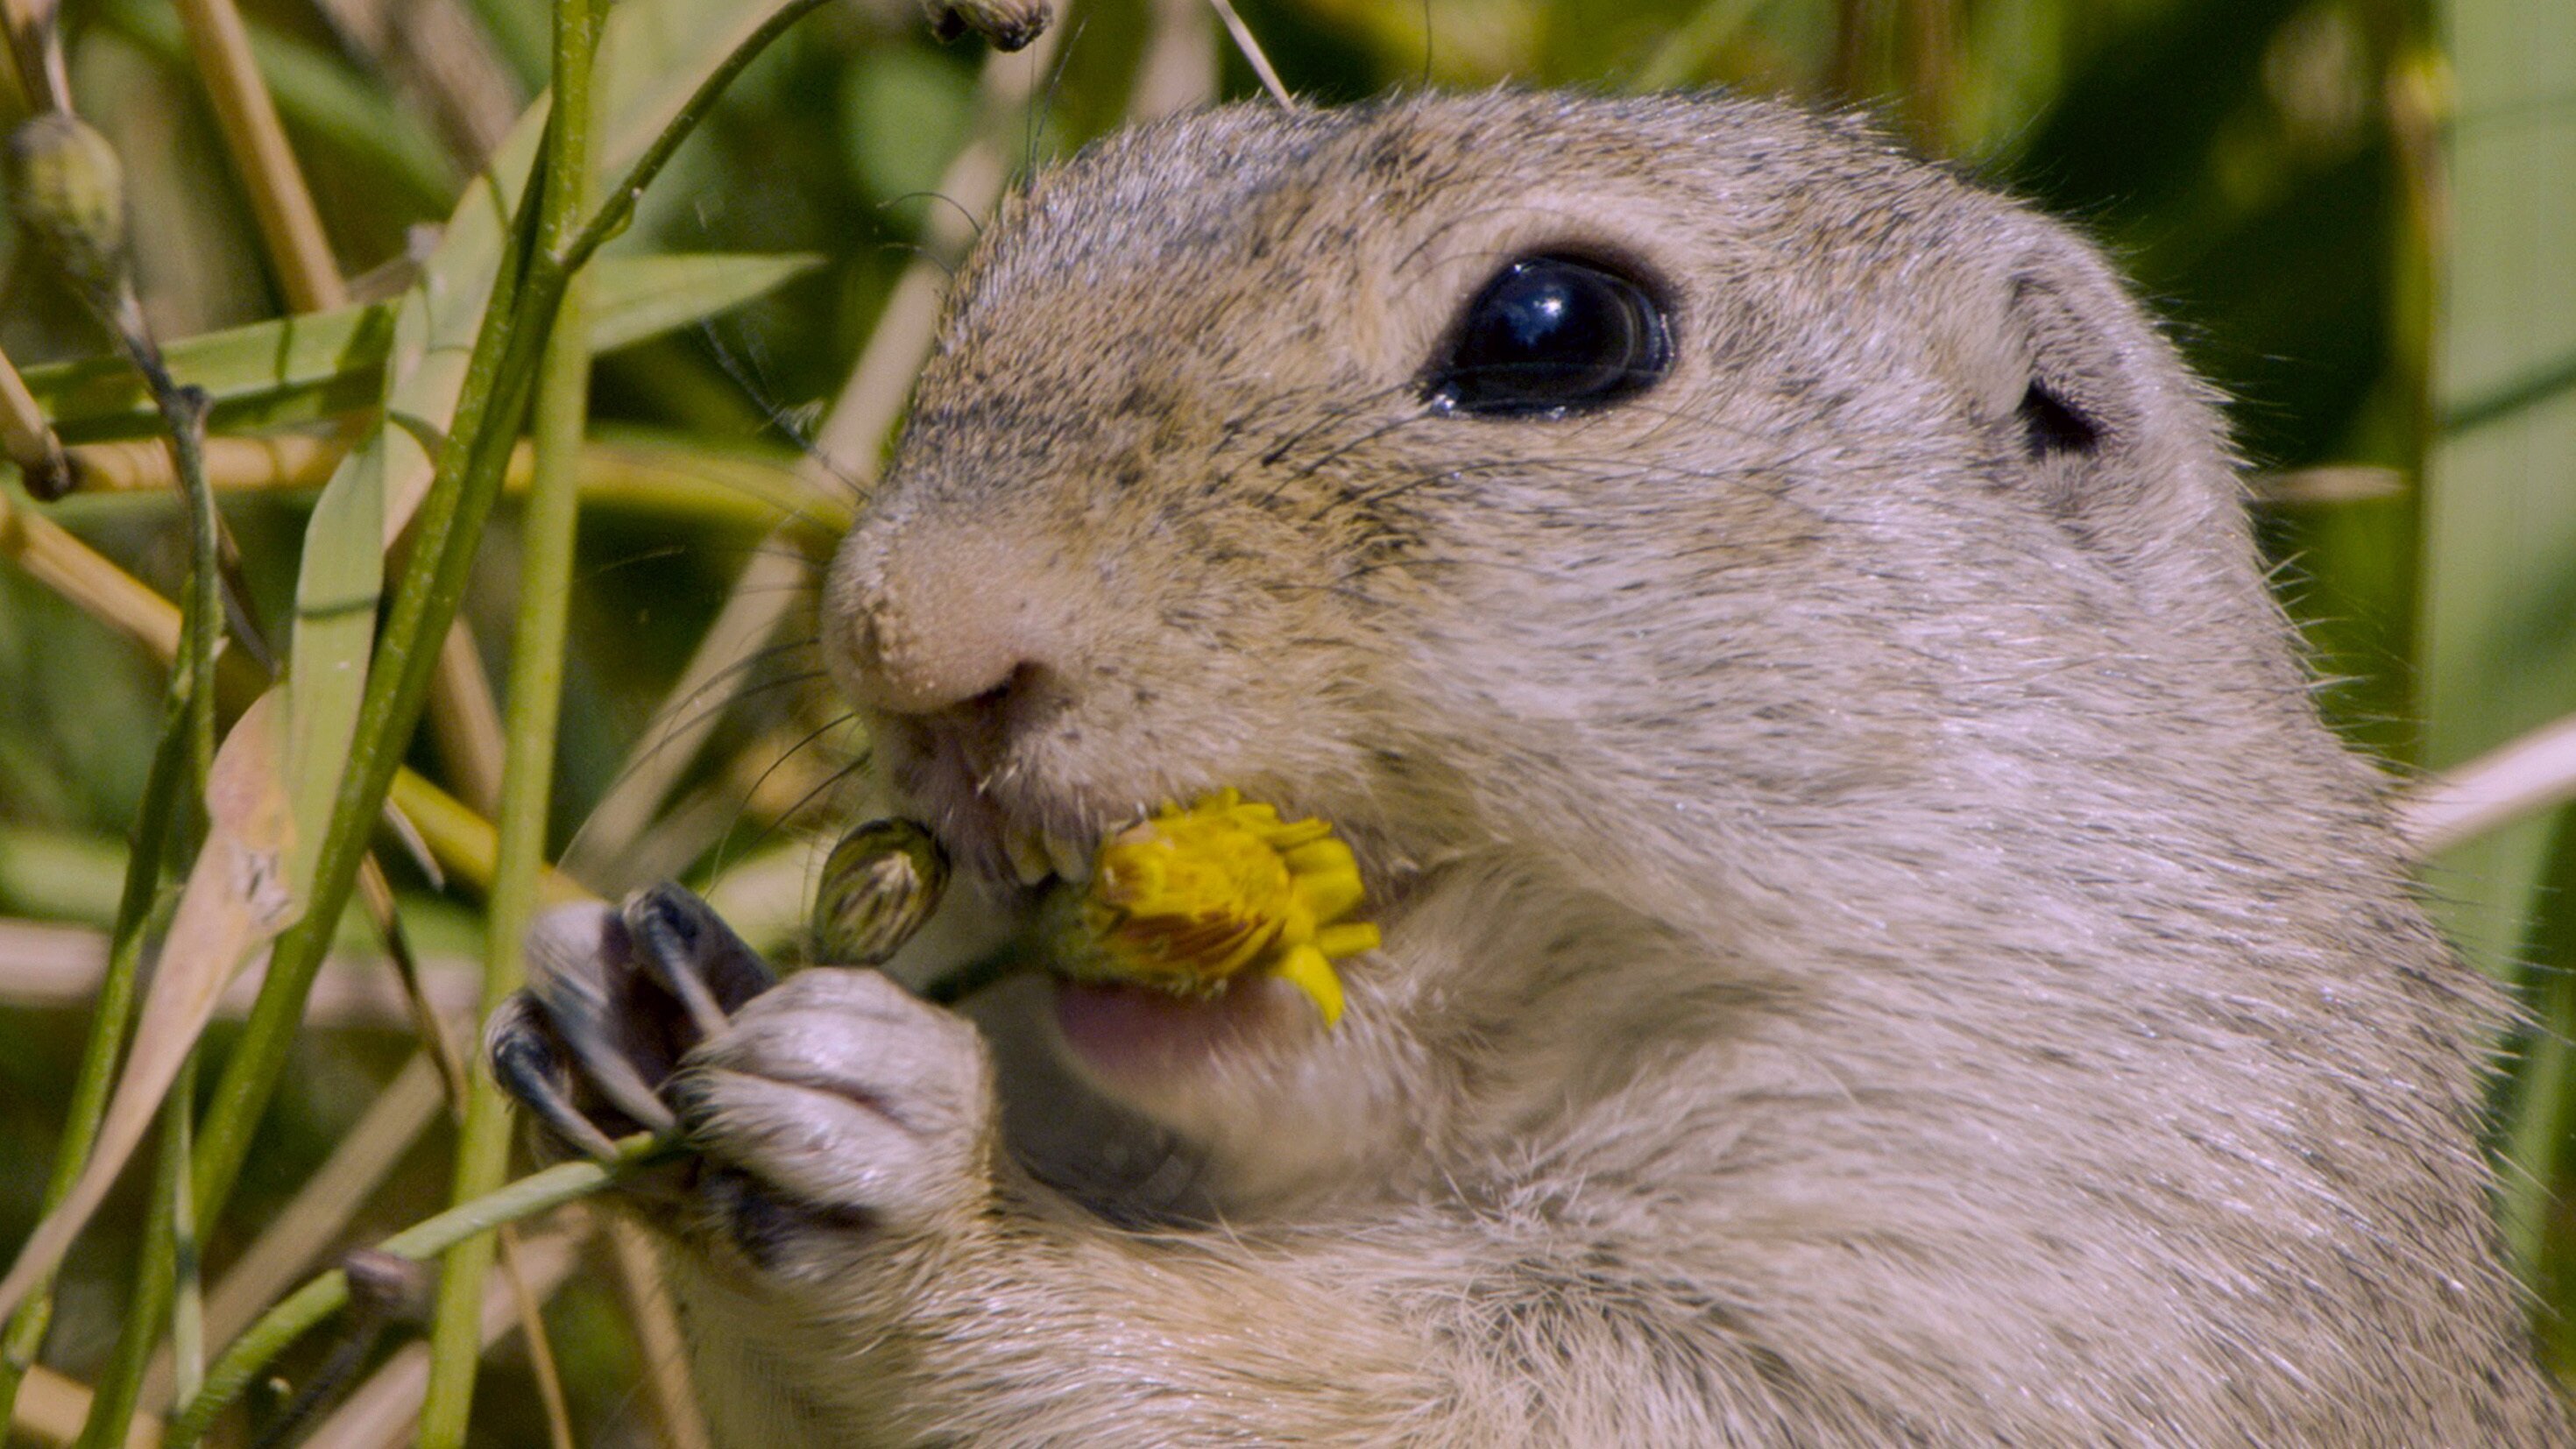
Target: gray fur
x: 1879, y: 946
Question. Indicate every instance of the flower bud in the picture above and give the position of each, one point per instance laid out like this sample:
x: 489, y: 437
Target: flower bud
x: 879, y: 884
x: 388, y: 1285
x: 68, y: 189
x: 1009, y: 24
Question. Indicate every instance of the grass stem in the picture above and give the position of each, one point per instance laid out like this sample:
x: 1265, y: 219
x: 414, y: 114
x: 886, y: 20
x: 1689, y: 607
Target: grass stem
x: 156, y: 1276
x: 240, y: 1363
x: 288, y: 222
x: 535, y: 707
x: 28, y: 439
x: 110, y: 1018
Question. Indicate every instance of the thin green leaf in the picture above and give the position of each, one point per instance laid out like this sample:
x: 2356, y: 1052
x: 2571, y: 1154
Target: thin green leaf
x: 634, y: 298
x: 371, y: 494
x: 273, y: 373
x: 236, y: 900
x: 339, y: 580
x: 299, y: 369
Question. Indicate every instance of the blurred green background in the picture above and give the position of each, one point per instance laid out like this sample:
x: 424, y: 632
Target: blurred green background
x: 2359, y: 217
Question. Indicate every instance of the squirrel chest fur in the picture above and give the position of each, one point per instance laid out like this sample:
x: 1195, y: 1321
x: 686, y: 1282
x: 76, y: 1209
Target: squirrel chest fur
x: 1878, y: 946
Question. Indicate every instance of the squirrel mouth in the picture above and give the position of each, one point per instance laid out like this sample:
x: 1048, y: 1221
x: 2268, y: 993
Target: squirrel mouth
x: 1138, y: 1038
x: 1190, y: 902
x: 1015, y: 839
x: 1016, y: 857
x: 1037, y: 856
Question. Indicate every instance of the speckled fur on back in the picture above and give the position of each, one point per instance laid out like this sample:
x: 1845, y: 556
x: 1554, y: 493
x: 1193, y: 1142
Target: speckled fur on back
x: 1879, y: 946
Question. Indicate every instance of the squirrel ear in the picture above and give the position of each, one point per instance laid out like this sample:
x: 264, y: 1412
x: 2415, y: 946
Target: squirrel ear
x: 2120, y: 443
x: 2072, y: 405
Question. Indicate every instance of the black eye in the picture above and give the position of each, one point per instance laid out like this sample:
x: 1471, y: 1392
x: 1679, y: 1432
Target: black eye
x: 1552, y: 335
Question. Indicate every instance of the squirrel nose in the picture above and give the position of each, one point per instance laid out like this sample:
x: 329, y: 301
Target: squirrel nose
x: 929, y: 633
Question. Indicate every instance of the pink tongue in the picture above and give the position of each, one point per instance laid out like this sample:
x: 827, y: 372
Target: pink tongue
x: 1139, y: 1032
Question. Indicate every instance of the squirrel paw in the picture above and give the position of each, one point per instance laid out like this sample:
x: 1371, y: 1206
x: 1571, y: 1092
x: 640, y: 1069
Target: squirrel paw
x: 835, y: 1097
x: 615, y: 999
x: 849, y: 1097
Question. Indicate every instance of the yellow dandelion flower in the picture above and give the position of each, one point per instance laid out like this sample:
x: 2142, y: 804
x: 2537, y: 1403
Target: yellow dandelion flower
x: 1189, y: 898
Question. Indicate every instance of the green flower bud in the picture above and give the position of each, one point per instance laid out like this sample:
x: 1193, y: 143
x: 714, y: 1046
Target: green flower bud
x: 68, y: 189
x: 879, y: 884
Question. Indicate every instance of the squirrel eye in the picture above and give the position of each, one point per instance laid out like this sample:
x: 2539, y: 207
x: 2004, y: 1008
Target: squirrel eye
x: 1551, y: 335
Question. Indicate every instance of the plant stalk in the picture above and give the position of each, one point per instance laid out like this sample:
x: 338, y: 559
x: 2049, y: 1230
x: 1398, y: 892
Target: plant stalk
x: 170, y: 1232
x: 535, y: 707
x: 617, y: 206
x: 110, y: 1019
x: 528, y: 286
x: 538, y: 1192
x: 449, y: 523
x: 156, y: 1275
x: 450, y: 520
x: 29, y: 439
x: 306, y: 271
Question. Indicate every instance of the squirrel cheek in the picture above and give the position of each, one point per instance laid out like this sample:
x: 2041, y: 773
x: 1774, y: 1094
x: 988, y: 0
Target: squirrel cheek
x: 1139, y: 1043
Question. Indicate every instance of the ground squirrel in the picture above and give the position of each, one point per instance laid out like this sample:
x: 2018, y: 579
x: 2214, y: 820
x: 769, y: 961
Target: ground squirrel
x: 1879, y: 947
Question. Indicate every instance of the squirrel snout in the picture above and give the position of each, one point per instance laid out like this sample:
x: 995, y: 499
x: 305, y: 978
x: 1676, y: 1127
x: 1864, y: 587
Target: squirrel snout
x: 927, y: 634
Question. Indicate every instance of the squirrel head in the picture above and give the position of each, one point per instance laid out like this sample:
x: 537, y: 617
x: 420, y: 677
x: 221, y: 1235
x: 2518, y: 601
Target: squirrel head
x: 1686, y: 505
x: 1202, y: 488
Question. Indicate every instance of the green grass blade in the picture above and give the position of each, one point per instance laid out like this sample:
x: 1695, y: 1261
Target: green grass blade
x: 299, y: 369
x: 269, y: 374
x: 340, y: 578
x: 635, y: 298
x: 2499, y: 610
x: 323, y: 99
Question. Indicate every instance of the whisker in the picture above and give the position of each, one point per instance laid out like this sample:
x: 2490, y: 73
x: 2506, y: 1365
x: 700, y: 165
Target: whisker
x: 1281, y: 449
x: 782, y: 420
x: 1036, y: 115
x: 748, y: 691
x: 1317, y: 464
x: 627, y: 561
x: 830, y: 782
x: 793, y: 424
x: 668, y: 725
x: 913, y: 248
x: 744, y: 665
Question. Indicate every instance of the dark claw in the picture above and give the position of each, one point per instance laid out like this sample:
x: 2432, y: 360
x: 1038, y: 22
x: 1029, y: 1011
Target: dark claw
x: 581, y: 970
x: 695, y: 955
x: 530, y: 1063
x: 615, y: 999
